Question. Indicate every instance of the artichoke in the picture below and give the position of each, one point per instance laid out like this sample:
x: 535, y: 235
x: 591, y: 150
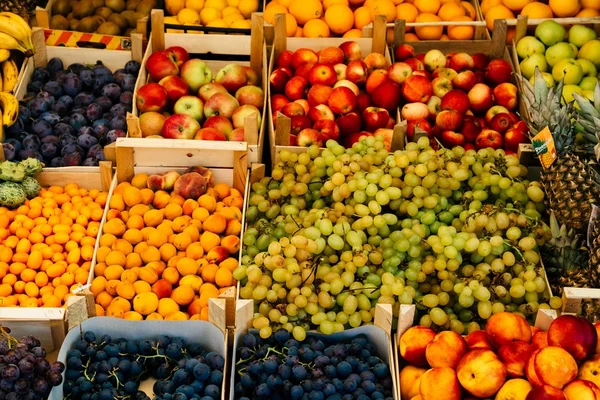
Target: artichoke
x: 31, y: 187
x: 12, y: 195
x: 32, y: 166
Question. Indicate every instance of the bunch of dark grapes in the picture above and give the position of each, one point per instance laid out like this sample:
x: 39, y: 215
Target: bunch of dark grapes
x: 100, y: 368
x: 25, y: 374
x: 281, y: 367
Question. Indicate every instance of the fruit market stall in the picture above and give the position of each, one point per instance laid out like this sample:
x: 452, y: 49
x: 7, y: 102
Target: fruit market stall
x: 69, y: 112
x: 229, y: 107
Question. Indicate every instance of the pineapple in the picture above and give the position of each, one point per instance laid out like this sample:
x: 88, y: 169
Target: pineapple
x: 593, y: 240
x: 571, y: 185
x: 588, y: 118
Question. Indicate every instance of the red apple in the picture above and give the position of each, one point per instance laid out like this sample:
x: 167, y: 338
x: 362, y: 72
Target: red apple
x: 308, y: 137
x: 387, y: 95
x: 434, y: 59
x: 151, y: 123
x: 416, y: 127
x: 375, y: 79
x: 178, y: 54
x: 349, y: 85
x: 434, y: 105
x: 423, y: 73
x: 398, y: 72
x: 323, y: 74
x: 342, y: 100
x: 356, y: 72
x: 299, y: 122
x: 451, y: 138
x: 415, y: 64
x: 444, y: 73
x: 456, y: 100
x: 469, y: 146
x: 471, y: 129
x: 175, y: 87
x: 278, y: 101
x: 319, y: 112
x: 319, y: 94
x: 375, y: 118
x: 414, y: 111
x: 232, y: 77
x: 304, y: 70
x: 514, y: 355
x: 506, y: 95
x: 293, y: 140
x: 219, y: 123
x: 480, y: 61
x: 574, y: 334
x: 461, y: 61
x: 285, y: 59
x: 449, y: 120
x: 253, y: 78
x: 239, y: 116
x: 291, y: 109
x: 349, y: 123
x: 489, y: 114
x: 151, y: 97
x: 210, y: 134
x: 500, y: 122
x: 545, y: 392
x: 251, y: 95
x: 498, y: 71
x: 328, y: 128
x: 190, y: 105
x: 303, y: 56
x: 489, y: 138
x: 363, y: 100
x: 404, y: 51
x: 220, y: 104
x: 331, y: 55
x: 481, y: 373
x: 277, y: 80
x: 351, y: 50
x: 180, y: 126
x: 295, y: 88
x: 480, y: 77
x: 417, y: 89
x: 236, y: 135
x: 304, y: 104
x: 481, y: 97
x: 159, y: 65
x: 207, y: 90
x: 352, y: 138
x: 376, y: 61
x: 340, y: 71
x: 514, y: 117
x: 464, y: 80
x: 196, y: 73
x: 441, y: 86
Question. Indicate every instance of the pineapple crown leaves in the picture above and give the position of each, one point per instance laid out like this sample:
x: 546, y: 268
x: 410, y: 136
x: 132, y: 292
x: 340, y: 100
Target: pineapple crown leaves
x: 588, y: 116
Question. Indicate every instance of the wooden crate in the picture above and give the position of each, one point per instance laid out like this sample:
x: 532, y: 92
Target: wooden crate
x: 225, y: 46
x: 50, y: 325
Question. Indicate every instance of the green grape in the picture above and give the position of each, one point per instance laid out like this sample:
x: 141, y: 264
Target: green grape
x: 438, y: 316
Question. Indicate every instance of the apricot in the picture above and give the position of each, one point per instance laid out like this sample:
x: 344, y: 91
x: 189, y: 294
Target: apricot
x: 231, y: 243
x: 167, y: 306
x: 217, y: 254
x: 115, y: 227
x: 148, y: 274
x: 162, y: 288
x: 145, y: 303
x: 209, y: 240
x: 192, y: 280
x: 140, y: 181
x: 153, y: 217
x: 194, y: 307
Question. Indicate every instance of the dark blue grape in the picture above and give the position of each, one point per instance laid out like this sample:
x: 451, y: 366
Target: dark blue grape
x: 54, y: 65
x: 128, y: 83
x: 16, y: 128
x: 201, y: 372
x: 381, y: 370
x: 60, y: 108
x: 185, y: 389
x: 38, y: 106
x: 68, y: 100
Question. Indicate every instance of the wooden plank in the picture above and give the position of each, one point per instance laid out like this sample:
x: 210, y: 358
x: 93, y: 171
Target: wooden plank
x: 124, y: 163
x: 240, y: 170
x: 257, y: 172
x: 379, y: 34
x: 280, y: 40
x: 257, y: 40
x: 40, y: 58
x: 572, y: 298
x: 157, y: 18
x: 384, y: 317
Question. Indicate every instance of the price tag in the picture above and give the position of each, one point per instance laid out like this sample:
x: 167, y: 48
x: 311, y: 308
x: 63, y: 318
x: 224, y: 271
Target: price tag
x: 543, y: 145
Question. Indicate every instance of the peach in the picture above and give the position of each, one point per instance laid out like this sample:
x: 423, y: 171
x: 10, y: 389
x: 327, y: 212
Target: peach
x: 439, y: 383
x: 590, y: 370
x: 445, y: 350
x: 190, y: 185
x: 413, y: 345
x: 505, y: 327
x: 162, y: 288
x: 231, y: 243
x: 217, y: 254
x: 539, y: 340
x: 530, y: 372
x: 574, y: 334
x: 169, y: 179
x: 545, y: 392
x: 554, y: 366
x: 515, y: 355
x: 481, y: 373
x: 514, y: 389
x: 154, y: 182
x: 581, y: 390
x: 477, y: 340
x: 410, y: 379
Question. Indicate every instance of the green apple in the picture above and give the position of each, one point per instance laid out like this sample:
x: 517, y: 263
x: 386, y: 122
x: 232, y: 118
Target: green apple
x: 569, y: 70
x: 589, y: 94
x: 568, y: 91
x: 588, y: 68
x: 550, y: 32
x: 588, y: 83
x: 591, y: 51
x: 529, y: 45
x: 560, y: 51
x: 580, y: 35
x: 535, y: 60
x: 547, y: 77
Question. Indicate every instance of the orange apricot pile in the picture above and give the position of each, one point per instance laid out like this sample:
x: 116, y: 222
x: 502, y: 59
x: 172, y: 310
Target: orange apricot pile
x: 163, y: 257
x: 47, y: 245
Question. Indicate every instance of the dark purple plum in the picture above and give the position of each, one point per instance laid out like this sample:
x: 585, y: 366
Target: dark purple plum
x: 62, y: 127
x: 29, y: 94
x: 128, y: 83
x: 35, y: 86
x: 84, y: 99
x: 54, y: 88
x: 72, y: 84
x: 71, y: 148
x: 50, y: 139
x: 60, y: 77
x: 132, y: 67
x: 25, y: 154
x: 57, y: 162
x: 88, y: 77
x: 24, y: 112
x: 112, y: 135
x: 50, y: 117
x: 16, y: 144
x: 77, y: 110
x: 112, y: 91
x: 54, y: 65
x: 49, y: 150
x: 68, y: 100
x: 118, y: 123
x: 94, y: 150
x: 126, y: 98
x: 89, y: 162
x: 67, y: 139
x: 119, y: 75
x: 93, y: 112
x: 72, y: 159
x: 104, y: 102
x: 38, y: 106
x: 101, y: 127
x: 40, y: 74
x: 86, y: 130
x: 9, y: 151
x: 119, y: 110
x: 76, y: 68
x: 31, y: 142
x: 86, y: 141
x: 61, y: 108
x: 41, y: 128
x: 17, y: 127
x: 102, y: 71
x: 77, y: 121
x: 46, y: 96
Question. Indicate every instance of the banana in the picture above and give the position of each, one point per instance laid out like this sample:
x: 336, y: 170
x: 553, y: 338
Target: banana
x: 12, y: 27
x: 1, y: 89
x: 24, y: 26
x: 10, y: 43
x: 10, y: 75
x: 4, y: 54
x: 10, y: 108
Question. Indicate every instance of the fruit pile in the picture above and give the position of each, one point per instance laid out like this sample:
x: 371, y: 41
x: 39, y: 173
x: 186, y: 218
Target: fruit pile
x: 283, y: 367
x: 211, y: 13
x: 508, y: 360
x: 461, y: 100
x: 70, y: 114
x: 571, y: 55
x: 509, y: 9
x: 26, y: 374
x: 168, y: 245
x: 335, y: 231
x: 107, y: 17
x: 187, y: 93
x: 47, y: 245
x: 104, y: 368
x: 334, y: 94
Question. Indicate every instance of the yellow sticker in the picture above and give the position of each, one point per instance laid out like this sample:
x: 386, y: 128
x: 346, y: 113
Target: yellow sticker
x: 543, y: 145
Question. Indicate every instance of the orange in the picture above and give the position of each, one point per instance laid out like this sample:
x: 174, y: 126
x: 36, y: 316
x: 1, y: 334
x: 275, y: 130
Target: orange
x: 406, y: 11
x: 306, y: 10
x: 487, y: 4
x: 145, y: 303
x: 384, y: 7
x: 516, y: 5
x: 588, y: 12
x: 291, y: 26
x: 183, y: 295
x: 461, y: 32
x: 340, y: 18
x: 326, y: 5
x: 537, y: 10
x: 187, y: 266
x: 470, y: 10
x: 593, y: 4
x: 427, y: 6
x: 497, y: 12
x: 451, y: 10
x: 362, y: 17
x: 272, y: 10
x: 565, y: 8
x: 316, y: 28
x: 429, y: 32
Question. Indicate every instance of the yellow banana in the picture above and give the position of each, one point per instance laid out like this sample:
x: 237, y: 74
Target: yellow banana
x: 10, y: 75
x: 10, y: 108
x: 13, y: 28
x: 10, y: 43
x: 1, y: 89
x: 4, y: 54
x: 21, y: 22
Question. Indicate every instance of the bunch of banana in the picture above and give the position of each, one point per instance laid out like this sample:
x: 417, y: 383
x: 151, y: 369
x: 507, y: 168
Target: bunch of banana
x: 10, y: 108
x: 15, y: 34
x: 9, y: 75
